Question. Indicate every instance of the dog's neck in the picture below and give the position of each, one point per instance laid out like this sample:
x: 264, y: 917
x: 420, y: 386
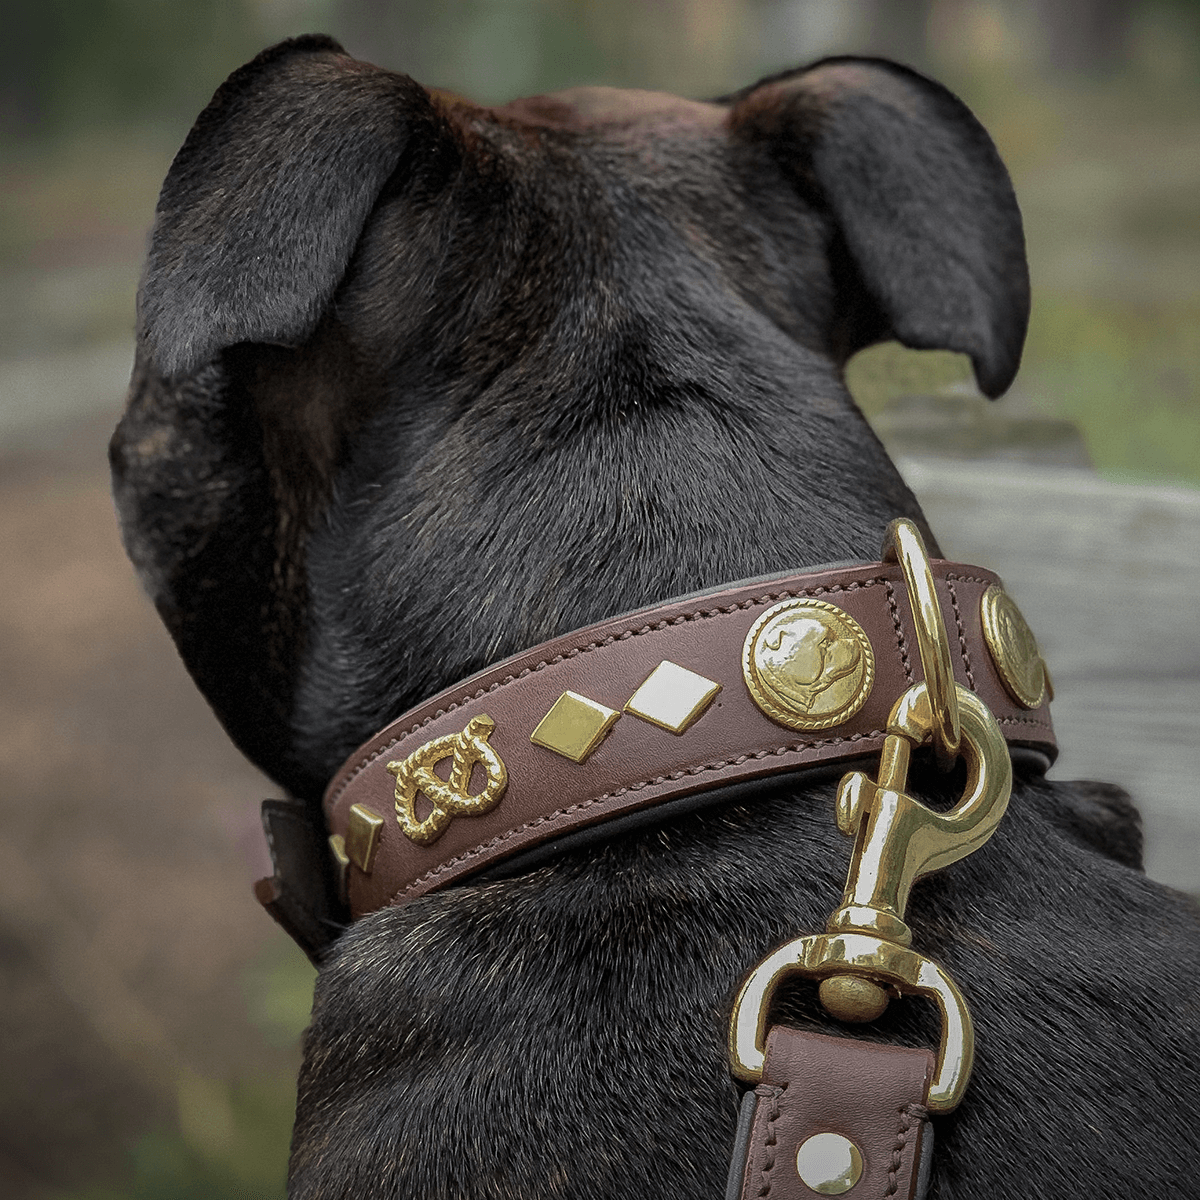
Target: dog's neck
x: 564, y: 548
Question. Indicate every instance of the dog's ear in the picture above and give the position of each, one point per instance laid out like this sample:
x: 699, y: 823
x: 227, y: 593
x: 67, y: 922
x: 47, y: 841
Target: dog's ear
x: 264, y: 203
x: 924, y: 206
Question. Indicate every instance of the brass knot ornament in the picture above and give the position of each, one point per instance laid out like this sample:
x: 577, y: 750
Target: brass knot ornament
x: 808, y: 664
x: 450, y: 797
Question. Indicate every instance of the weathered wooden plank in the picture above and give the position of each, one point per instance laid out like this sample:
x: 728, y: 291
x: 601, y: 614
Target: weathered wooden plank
x: 1108, y: 576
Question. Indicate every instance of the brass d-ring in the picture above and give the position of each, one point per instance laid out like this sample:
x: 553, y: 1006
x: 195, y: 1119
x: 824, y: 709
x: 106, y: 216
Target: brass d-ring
x: 903, y: 544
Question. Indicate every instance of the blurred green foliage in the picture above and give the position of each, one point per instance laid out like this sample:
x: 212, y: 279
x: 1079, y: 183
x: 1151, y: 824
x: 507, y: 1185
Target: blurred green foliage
x: 878, y: 373
x: 279, y: 991
x: 232, y: 1145
x: 1121, y: 362
x: 1127, y: 375
x: 229, y: 1139
x: 66, y: 64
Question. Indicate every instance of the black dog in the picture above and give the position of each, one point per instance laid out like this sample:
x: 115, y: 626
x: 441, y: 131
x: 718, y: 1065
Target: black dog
x: 420, y: 384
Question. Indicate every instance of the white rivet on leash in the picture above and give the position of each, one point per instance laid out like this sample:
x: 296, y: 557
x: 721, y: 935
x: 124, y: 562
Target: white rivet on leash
x: 829, y: 1164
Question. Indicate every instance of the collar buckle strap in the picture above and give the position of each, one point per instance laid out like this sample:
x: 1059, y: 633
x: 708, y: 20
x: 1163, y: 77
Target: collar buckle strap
x: 762, y: 679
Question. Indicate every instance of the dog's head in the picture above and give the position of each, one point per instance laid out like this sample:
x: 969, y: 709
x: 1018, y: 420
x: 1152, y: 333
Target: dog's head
x: 421, y: 383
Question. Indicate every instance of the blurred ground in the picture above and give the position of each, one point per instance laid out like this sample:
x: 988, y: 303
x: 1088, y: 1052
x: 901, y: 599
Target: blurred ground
x: 135, y: 966
x: 150, y: 1011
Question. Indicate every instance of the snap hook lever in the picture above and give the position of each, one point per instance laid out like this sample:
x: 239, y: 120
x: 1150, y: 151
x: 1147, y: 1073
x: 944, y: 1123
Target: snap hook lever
x: 898, y: 839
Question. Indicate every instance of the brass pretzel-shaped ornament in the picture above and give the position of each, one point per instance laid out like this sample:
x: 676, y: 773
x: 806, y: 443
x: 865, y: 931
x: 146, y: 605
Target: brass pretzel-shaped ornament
x: 450, y: 798
x: 866, y: 947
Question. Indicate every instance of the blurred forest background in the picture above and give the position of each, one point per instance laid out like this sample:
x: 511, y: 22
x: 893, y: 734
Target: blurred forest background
x: 150, y: 1013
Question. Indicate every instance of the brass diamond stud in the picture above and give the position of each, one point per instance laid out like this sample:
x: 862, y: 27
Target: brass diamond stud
x: 574, y: 726
x: 362, y: 836
x: 672, y: 697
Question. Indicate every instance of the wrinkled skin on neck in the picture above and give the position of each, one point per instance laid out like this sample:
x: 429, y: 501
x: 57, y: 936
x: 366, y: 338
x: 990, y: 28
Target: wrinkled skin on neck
x: 420, y: 384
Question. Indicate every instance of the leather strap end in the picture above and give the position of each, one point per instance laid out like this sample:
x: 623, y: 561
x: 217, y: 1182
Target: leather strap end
x: 834, y: 1104
x: 301, y: 895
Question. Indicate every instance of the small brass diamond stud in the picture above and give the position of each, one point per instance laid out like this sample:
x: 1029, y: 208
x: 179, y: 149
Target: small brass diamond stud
x: 341, y: 865
x: 362, y: 836
x: 574, y: 726
x: 672, y: 697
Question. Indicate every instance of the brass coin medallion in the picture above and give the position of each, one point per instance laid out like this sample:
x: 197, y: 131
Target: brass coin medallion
x: 808, y: 664
x: 1013, y: 648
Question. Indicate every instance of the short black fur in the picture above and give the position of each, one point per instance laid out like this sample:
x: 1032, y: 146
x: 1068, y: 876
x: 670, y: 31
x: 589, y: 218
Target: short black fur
x: 420, y: 384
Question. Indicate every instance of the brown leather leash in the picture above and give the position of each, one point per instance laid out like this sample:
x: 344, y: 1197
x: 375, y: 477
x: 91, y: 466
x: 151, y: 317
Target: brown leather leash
x: 687, y: 703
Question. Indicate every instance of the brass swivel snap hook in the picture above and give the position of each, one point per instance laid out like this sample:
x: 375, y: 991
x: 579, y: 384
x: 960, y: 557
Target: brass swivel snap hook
x: 864, y: 958
x: 898, y: 839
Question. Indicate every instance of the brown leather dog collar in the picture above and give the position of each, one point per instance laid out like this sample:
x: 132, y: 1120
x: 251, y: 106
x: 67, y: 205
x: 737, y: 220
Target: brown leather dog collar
x: 685, y: 698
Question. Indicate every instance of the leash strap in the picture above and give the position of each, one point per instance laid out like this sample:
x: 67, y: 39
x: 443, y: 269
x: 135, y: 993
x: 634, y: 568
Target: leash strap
x: 833, y: 1116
